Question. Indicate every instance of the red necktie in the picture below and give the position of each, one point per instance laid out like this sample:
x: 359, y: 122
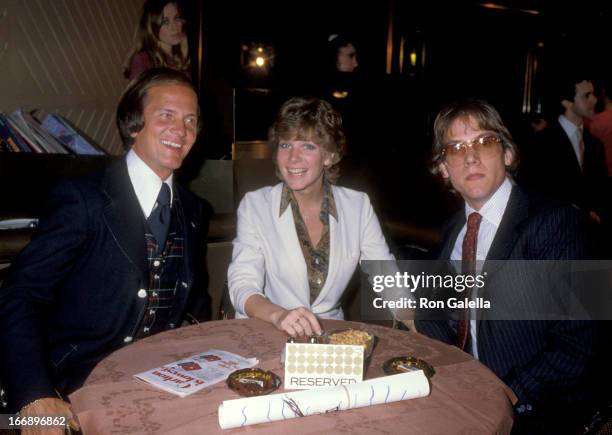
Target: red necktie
x: 468, y: 267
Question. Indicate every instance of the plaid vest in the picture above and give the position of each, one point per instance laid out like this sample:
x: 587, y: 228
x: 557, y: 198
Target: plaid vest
x: 165, y: 268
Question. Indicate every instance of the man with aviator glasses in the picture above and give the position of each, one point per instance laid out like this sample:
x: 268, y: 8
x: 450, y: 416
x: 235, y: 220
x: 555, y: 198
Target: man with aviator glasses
x: 544, y: 362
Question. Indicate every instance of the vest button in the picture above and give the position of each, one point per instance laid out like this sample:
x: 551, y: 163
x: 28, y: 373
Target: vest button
x: 156, y: 263
x: 142, y: 293
x: 127, y: 339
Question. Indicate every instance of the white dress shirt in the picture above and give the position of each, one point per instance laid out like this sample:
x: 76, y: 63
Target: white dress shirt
x: 147, y: 183
x: 574, y: 133
x: 492, y: 212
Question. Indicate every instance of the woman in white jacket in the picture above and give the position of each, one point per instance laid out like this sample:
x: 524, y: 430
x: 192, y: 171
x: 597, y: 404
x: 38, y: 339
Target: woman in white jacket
x: 298, y: 242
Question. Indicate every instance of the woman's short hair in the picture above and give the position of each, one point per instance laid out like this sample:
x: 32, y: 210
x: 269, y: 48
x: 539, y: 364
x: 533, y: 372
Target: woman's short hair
x: 485, y: 116
x: 130, y: 111
x: 310, y: 119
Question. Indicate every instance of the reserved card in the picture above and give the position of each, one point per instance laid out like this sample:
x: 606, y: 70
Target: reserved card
x: 309, y: 365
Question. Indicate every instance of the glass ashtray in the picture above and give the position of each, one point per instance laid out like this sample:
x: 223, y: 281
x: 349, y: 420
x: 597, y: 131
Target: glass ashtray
x: 253, y: 382
x: 403, y: 364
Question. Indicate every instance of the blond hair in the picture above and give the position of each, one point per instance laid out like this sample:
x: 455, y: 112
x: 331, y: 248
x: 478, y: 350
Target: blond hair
x: 310, y: 119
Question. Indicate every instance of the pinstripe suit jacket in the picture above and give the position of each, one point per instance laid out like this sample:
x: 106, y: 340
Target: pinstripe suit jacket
x: 539, y: 360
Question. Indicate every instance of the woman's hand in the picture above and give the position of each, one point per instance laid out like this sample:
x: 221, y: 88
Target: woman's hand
x: 297, y: 322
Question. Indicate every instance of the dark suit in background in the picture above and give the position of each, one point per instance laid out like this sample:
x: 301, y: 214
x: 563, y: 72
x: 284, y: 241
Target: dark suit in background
x: 550, y: 167
x: 75, y: 293
x: 544, y: 362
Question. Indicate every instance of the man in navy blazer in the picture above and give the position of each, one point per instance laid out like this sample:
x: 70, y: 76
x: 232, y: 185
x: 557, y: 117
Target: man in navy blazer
x: 95, y: 277
x: 579, y: 173
x: 543, y: 361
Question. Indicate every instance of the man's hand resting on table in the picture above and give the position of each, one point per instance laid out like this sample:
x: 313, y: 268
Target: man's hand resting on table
x: 48, y: 407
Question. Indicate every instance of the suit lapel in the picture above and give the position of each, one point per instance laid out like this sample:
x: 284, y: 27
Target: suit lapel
x: 190, y: 225
x: 194, y: 228
x: 450, y: 235
x: 508, y: 232
x: 506, y: 237
x: 123, y: 215
x: 566, y: 153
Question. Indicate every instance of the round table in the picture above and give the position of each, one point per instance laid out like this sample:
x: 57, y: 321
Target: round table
x: 466, y: 397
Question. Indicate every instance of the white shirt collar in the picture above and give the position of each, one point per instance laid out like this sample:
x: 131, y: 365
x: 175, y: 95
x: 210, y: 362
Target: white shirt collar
x: 493, y: 210
x: 569, y: 127
x: 146, y: 182
x: 574, y: 134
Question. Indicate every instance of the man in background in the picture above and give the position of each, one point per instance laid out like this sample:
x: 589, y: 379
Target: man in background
x: 566, y: 162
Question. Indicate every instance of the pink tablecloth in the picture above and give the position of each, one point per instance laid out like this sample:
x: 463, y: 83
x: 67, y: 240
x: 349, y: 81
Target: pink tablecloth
x: 465, y: 398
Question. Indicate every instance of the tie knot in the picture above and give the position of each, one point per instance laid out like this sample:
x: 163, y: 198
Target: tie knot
x: 474, y: 220
x: 164, y: 195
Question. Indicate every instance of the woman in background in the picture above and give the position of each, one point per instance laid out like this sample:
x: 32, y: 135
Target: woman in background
x: 344, y: 89
x: 342, y: 53
x: 161, y: 40
x: 298, y: 242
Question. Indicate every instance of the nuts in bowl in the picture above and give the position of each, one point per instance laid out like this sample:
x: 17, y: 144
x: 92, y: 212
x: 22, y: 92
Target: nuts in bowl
x: 357, y: 337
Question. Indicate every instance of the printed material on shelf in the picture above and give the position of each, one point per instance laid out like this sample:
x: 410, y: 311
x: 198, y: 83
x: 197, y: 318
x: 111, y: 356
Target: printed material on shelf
x: 23, y: 133
x: 20, y: 131
x: 186, y: 376
x: 313, y: 365
x: 68, y: 136
x: 9, y: 139
x: 33, y: 132
x: 264, y: 409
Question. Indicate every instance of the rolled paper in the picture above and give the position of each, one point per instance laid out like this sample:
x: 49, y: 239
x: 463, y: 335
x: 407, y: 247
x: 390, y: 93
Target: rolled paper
x: 264, y: 409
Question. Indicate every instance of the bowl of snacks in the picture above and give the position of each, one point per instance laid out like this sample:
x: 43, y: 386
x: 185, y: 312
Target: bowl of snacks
x: 357, y: 337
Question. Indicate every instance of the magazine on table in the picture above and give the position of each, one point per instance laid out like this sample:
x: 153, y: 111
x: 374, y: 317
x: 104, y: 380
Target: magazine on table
x: 186, y: 376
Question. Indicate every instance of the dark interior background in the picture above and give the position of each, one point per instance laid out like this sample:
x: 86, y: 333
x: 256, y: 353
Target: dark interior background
x: 469, y: 50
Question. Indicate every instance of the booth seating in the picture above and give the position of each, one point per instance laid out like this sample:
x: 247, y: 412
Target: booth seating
x: 392, y: 200
x: 395, y: 203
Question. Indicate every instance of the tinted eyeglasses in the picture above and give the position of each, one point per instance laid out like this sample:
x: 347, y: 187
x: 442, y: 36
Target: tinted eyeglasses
x: 485, y: 146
